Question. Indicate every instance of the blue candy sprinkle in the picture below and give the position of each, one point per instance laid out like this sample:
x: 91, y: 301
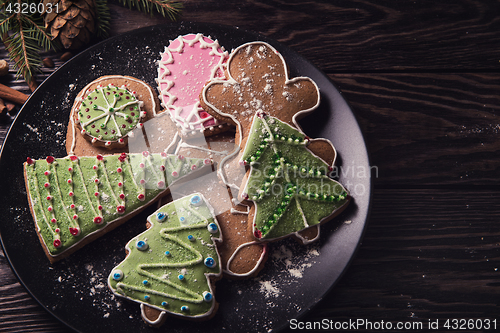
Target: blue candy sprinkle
x: 207, y: 296
x: 145, y: 282
x: 167, y: 253
x: 210, y: 262
x: 195, y: 200
x: 117, y: 275
x: 184, y: 308
x: 191, y: 238
x: 141, y: 245
x: 147, y: 297
x: 182, y: 219
x: 181, y: 277
x: 160, y: 217
x: 212, y: 227
x: 164, y: 303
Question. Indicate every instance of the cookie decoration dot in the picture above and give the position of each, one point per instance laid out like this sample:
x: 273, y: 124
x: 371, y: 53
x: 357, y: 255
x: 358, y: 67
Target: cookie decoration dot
x: 117, y: 275
x: 141, y: 245
x: 210, y: 262
x: 160, y: 217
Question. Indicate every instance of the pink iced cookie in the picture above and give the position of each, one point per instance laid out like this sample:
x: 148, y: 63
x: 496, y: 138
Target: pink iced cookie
x: 186, y: 65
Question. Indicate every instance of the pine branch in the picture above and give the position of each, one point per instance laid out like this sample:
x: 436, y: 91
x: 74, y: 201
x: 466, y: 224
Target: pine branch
x: 24, y: 36
x: 169, y: 8
x: 103, y: 18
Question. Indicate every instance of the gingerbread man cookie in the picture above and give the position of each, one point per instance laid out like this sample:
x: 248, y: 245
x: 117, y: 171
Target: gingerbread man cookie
x: 258, y: 96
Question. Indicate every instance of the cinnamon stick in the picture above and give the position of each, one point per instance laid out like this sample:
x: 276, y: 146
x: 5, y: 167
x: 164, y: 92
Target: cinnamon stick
x: 3, y: 108
x: 12, y: 95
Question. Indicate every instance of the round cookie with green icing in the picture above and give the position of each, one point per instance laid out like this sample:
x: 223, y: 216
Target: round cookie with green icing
x: 107, y: 113
x: 171, y: 267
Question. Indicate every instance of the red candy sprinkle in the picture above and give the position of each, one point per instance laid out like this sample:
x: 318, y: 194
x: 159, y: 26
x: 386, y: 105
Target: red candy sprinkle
x: 29, y: 160
x: 97, y: 220
x: 257, y: 234
x: 161, y: 184
x: 74, y: 231
x: 162, y: 168
x: 163, y: 154
x: 145, y: 153
x: 75, y: 217
x: 181, y: 157
x: 193, y: 167
x: 53, y: 220
x: 120, y: 209
x: 50, y: 159
x: 122, y: 157
x: 72, y: 206
x: 120, y: 184
x: 141, y: 197
x: 99, y: 157
x: 119, y: 170
x: 122, y: 196
x: 71, y: 194
x: 73, y: 158
x: 46, y: 185
x: 175, y: 174
x: 49, y: 208
x: 206, y: 161
x: 99, y: 207
x: 141, y: 165
x: 96, y: 194
x: 204, y: 114
x: 57, y: 243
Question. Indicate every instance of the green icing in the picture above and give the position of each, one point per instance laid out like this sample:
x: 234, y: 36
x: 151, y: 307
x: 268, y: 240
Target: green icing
x: 151, y: 276
x: 288, y: 184
x: 109, y: 113
x: 64, y: 203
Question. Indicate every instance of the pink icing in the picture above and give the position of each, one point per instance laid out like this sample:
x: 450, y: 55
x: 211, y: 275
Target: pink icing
x: 185, y: 66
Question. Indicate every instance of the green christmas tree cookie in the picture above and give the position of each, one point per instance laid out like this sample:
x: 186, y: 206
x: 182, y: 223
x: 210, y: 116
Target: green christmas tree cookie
x: 288, y: 184
x: 73, y: 199
x: 171, y: 266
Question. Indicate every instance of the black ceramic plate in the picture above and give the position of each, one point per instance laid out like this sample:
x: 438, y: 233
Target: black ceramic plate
x: 75, y: 289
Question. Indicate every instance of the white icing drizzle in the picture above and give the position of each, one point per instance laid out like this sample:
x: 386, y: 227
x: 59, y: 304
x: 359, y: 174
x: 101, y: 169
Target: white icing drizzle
x: 257, y: 264
x: 188, y: 123
x: 183, y: 144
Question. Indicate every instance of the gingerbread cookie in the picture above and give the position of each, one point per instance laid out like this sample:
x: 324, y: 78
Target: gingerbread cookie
x: 107, y: 113
x: 265, y: 105
x: 171, y: 267
x: 75, y: 200
x: 185, y: 66
x: 288, y: 185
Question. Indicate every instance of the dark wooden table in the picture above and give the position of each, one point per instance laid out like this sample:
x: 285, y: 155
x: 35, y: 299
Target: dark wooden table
x: 423, y: 78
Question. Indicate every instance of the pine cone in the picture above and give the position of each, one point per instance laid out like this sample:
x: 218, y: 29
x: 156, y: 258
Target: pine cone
x: 74, y: 24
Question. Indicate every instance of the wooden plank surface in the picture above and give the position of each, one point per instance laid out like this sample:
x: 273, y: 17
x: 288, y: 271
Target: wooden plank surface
x: 422, y: 77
